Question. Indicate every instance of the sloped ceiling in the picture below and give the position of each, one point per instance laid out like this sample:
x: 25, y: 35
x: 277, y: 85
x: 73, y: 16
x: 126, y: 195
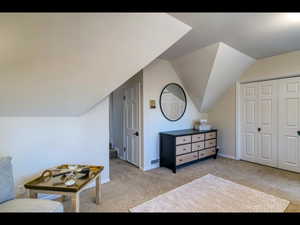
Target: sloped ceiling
x: 257, y: 34
x: 208, y: 72
x: 62, y: 64
x: 194, y: 70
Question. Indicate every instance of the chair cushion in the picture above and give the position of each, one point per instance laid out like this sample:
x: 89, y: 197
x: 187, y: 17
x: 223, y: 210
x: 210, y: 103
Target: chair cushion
x: 31, y: 205
x: 7, y: 189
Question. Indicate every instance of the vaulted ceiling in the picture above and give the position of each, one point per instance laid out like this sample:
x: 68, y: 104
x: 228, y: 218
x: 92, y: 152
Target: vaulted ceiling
x: 258, y: 35
x: 62, y: 64
x: 208, y: 72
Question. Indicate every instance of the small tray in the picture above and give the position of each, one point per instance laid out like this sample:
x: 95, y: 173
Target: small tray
x: 39, y: 183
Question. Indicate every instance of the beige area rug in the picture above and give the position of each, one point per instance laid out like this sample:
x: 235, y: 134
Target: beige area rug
x: 213, y: 194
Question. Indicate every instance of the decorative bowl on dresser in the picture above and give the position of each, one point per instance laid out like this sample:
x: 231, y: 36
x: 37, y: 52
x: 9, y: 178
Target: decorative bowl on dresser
x: 181, y: 147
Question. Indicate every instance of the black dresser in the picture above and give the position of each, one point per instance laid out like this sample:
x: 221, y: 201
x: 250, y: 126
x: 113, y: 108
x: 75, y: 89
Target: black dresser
x: 182, y: 147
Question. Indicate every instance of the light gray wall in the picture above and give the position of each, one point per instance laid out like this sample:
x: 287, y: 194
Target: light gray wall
x: 38, y: 143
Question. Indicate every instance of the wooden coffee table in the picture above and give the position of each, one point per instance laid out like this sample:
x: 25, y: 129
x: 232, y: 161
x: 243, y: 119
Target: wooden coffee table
x: 53, y: 185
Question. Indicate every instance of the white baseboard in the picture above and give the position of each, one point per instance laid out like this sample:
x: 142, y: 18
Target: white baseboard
x: 226, y: 156
x: 151, y: 167
x: 52, y: 197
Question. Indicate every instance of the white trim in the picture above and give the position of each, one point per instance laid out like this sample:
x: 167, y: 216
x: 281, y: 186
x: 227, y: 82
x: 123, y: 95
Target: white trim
x: 140, y: 120
x: 237, y: 121
x: 272, y: 78
x: 155, y: 166
x: 227, y: 156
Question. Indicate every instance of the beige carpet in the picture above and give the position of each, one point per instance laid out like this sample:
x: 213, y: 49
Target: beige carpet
x: 130, y: 187
x: 213, y: 194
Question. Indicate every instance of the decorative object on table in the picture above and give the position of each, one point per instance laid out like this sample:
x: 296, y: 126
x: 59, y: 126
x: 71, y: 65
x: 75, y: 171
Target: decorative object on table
x: 46, y: 175
x: 68, y: 175
x: 204, y: 126
x: 85, y: 172
x: 196, y: 125
x: 67, y: 180
x: 70, y: 179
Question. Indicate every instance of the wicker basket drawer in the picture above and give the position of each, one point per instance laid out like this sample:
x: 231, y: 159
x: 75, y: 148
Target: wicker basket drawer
x: 210, y: 143
x: 210, y: 135
x: 182, y: 149
x: 183, y: 140
x: 198, y: 146
x: 203, y: 154
x: 211, y: 151
x: 198, y: 137
x: 186, y: 158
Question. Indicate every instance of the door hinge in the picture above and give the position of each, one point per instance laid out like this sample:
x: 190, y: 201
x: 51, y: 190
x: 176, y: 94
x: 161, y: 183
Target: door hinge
x: 124, y: 149
x: 124, y: 97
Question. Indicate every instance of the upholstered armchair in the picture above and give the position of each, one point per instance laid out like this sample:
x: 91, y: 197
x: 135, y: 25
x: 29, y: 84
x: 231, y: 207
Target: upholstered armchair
x: 8, y: 201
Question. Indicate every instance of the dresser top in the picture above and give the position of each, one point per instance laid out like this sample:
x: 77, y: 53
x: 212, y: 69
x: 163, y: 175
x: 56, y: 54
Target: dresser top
x: 186, y: 132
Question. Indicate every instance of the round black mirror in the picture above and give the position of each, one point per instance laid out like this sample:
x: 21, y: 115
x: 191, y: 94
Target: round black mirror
x: 172, y: 102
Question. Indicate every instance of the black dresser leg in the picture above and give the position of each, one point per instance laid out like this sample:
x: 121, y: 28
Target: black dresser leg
x: 174, y: 170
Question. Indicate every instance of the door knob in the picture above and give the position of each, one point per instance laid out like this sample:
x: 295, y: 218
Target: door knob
x: 259, y: 129
x: 136, y: 133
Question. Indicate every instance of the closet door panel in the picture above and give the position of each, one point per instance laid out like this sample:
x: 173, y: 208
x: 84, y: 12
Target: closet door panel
x: 249, y: 119
x: 289, y: 110
x: 267, y: 122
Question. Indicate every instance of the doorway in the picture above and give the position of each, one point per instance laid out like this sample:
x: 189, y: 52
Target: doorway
x: 126, y: 121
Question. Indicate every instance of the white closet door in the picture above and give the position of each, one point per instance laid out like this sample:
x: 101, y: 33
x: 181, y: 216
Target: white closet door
x: 289, y: 103
x: 267, y: 123
x: 249, y: 121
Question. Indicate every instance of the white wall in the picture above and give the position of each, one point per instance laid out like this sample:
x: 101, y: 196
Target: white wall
x: 37, y: 143
x: 74, y: 60
x: 194, y: 70
x: 229, y: 66
x: 155, y: 77
x: 222, y: 115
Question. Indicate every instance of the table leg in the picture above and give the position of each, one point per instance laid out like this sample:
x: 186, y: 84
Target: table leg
x: 32, y: 194
x: 75, y: 202
x: 63, y: 198
x: 98, y: 190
